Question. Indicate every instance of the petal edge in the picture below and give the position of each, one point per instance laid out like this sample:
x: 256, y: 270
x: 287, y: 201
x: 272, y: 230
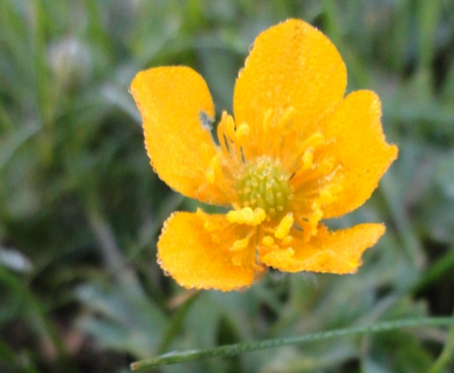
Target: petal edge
x: 361, y: 148
x: 336, y: 252
x: 171, y: 101
x: 291, y: 65
x: 196, y: 258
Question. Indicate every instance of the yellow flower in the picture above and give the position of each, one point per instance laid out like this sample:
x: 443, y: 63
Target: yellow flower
x: 295, y: 152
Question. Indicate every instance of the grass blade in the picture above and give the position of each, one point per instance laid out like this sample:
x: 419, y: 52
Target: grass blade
x: 235, y: 349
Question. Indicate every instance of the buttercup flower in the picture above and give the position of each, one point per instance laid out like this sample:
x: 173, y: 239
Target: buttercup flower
x: 295, y: 152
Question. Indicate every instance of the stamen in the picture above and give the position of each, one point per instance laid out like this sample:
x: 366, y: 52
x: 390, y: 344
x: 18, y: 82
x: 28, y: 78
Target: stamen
x: 267, y: 118
x: 268, y: 241
x: 221, y: 133
x: 230, y: 127
x: 284, y: 226
x: 308, y: 159
x: 314, y: 219
x: 240, y: 244
x: 215, y: 166
x: 242, y: 132
x: 286, y: 116
x: 209, y: 225
x: 244, y: 250
x: 246, y: 216
x: 314, y: 141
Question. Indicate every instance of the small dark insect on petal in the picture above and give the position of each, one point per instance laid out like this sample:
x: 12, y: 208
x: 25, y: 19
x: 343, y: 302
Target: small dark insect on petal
x: 206, y: 121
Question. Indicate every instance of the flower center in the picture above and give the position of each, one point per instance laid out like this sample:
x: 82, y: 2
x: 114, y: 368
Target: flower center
x: 264, y: 184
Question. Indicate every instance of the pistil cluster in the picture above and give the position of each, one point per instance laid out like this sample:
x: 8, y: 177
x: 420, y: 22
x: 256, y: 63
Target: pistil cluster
x: 265, y: 184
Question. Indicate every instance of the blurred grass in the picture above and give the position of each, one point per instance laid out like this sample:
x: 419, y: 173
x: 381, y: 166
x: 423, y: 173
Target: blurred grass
x: 80, y: 203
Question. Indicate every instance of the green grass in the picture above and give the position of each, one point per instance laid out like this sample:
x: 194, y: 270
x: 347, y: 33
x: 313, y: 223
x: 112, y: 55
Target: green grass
x: 81, y: 209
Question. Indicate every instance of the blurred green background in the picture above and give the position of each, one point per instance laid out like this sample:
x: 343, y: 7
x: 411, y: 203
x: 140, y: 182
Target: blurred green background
x: 81, y: 209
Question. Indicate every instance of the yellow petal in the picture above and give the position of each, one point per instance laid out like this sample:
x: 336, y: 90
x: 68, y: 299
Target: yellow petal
x: 196, y: 250
x: 332, y: 252
x: 172, y: 101
x: 292, y: 69
x: 360, y: 148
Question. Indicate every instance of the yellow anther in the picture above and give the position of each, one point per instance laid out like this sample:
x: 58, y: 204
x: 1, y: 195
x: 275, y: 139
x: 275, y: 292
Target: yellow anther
x: 226, y: 131
x: 223, y: 133
x: 268, y: 241
x: 240, y: 244
x: 215, y: 165
x: 210, y: 175
x: 267, y: 118
x: 308, y: 159
x: 314, y: 141
x: 314, y: 218
x: 220, y: 129
x: 286, y: 116
x: 230, y: 126
x: 242, y: 131
x: 246, y: 216
x: 284, y: 227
